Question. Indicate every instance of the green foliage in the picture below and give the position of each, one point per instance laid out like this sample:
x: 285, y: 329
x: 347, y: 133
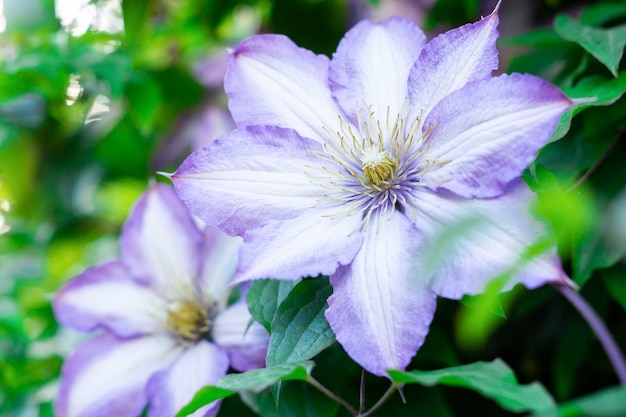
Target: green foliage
x: 492, y: 379
x: 296, y: 399
x: 299, y: 330
x: 610, y: 402
x: 264, y: 297
x: 606, y: 45
x: 255, y: 381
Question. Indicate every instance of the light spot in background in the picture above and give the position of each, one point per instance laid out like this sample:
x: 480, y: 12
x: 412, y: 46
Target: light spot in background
x: 3, y: 20
x: 100, y: 106
x: 244, y: 21
x: 4, y: 207
x: 74, y: 90
x: 78, y: 16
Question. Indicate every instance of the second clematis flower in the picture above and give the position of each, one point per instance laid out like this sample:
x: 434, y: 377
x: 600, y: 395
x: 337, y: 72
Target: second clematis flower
x: 163, y: 308
x: 355, y: 167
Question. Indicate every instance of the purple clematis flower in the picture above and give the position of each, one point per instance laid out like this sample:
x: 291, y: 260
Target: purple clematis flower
x: 358, y: 167
x: 163, y: 305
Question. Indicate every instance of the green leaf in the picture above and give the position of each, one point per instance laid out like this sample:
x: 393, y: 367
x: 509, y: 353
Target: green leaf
x: 297, y: 399
x: 480, y: 315
x: 615, y: 282
x: 614, y: 224
x: 571, y: 214
x: 136, y: 15
x: 299, y: 330
x: 606, y: 45
x: 542, y: 37
x: 595, y: 91
x: 203, y: 397
x: 255, y: 380
x: 494, y: 380
x: 144, y: 99
x: 264, y: 297
x: 610, y: 402
x: 601, y: 13
x: 591, y: 253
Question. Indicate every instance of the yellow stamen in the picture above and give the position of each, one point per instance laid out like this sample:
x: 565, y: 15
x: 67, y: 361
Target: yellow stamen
x: 189, y: 321
x: 377, y: 166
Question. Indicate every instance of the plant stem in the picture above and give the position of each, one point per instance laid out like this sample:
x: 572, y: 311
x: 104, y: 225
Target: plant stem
x: 381, y: 401
x: 362, y: 393
x: 599, y: 328
x: 331, y: 395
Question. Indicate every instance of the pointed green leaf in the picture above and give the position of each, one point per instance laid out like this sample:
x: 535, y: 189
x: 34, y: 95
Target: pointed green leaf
x: 264, y: 297
x: 299, y: 330
x: 203, y: 397
x: 494, y: 380
x: 610, y: 402
x: 255, y: 380
x: 606, y: 45
x: 597, y: 91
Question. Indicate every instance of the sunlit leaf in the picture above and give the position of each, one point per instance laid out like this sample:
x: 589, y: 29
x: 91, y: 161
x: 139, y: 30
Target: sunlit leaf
x: 480, y: 315
x: 571, y: 214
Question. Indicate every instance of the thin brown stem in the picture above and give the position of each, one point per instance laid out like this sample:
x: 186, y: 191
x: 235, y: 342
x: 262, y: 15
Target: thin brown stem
x: 386, y: 396
x: 332, y: 396
x: 362, y: 393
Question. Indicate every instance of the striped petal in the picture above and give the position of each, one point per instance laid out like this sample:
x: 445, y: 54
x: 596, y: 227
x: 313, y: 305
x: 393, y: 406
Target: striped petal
x: 107, y: 296
x: 271, y: 81
x: 249, y: 178
x: 107, y: 376
x: 161, y: 243
x: 380, y: 310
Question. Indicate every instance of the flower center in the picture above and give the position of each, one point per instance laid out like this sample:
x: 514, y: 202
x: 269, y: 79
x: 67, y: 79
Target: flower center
x: 189, y: 321
x: 377, y: 166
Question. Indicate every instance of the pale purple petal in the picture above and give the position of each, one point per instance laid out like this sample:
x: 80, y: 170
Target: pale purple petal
x: 451, y: 60
x: 380, y: 308
x: 271, y: 81
x: 473, y: 242
x: 107, y: 376
x: 249, y: 178
x: 197, y: 366
x: 161, y: 243
x: 371, y: 67
x: 245, y: 341
x: 220, y: 257
x: 490, y: 131
x: 311, y: 244
x: 106, y: 296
